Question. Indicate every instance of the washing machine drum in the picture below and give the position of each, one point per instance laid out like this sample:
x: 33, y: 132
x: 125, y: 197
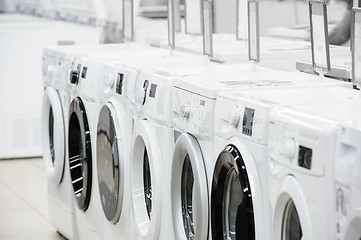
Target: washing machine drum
x: 232, y: 215
x: 110, y: 176
x: 80, y: 153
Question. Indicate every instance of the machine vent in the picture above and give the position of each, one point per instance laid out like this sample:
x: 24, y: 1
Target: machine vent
x: 20, y: 131
x: 36, y: 132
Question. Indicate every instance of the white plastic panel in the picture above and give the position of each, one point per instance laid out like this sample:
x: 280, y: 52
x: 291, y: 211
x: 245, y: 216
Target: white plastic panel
x: 193, y: 113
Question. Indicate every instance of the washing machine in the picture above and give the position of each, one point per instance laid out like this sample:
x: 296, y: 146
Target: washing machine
x: 113, y: 150
x: 341, y: 192
x: 21, y: 46
x: 239, y: 182
x: 152, y: 149
x: 54, y: 142
x: 83, y: 115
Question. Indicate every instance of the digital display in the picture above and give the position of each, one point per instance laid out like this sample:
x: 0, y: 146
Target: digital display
x: 304, y: 157
x: 119, y: 86
x: 153, y: 90
x: 83, y: 73
x: 247, y: 125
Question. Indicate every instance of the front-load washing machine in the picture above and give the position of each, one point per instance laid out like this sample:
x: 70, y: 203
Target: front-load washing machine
x: 342, y: 192
x: 21, y: 46
x: 239, y: 194
x: 151, y: 155
x: 113, y: 150
x: 83, y: 115
x: 54, y: 141
x: 300, y: 174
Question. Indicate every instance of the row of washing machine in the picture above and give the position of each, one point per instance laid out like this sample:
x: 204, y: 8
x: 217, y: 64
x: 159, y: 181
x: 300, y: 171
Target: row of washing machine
x: 143, y: 143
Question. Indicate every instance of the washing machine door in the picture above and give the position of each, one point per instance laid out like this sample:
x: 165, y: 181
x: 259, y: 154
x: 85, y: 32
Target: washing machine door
x: 53, y: 135
x: 80, y: 153
x: 146, y: 177
x: 111, y: 155
x: 189, y: 190
x: 291, y: 219
x: 232, y: 204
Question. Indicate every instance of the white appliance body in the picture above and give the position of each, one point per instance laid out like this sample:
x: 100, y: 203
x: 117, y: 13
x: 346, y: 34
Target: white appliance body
x: 55, y: 110
x: 83, y: 116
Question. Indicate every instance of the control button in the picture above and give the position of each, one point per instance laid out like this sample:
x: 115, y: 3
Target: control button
x: 289, y: 150
x: 74, y: 75
x: 235, y: 116
x: 185, y: 111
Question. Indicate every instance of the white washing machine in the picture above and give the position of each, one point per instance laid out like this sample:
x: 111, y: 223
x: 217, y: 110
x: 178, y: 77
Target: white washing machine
x: 342, y: 192
x: 54, y: 141
x: 300, y: 176
x: 21, y: 46
x: 113, y: 150
x: 83, y: 116
x: 239, y: 182
x: 152, y: 150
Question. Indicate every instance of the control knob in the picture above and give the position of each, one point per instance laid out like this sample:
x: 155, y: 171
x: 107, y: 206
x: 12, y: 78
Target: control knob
x: 289, y: 150
x: 185, y: 111
x: 235, y: 116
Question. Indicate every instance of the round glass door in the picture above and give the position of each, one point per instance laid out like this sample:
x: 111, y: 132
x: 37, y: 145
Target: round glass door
x: 109, y: 164
x: 147, y: 182
x: 291, y: 225
x: 80, y: 155
x: 231, y: 198
x: 187, y: 180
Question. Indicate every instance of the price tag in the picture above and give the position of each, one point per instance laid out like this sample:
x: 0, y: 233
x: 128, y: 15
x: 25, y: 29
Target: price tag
x: 253, y: 31
x: 356, y: 50
x: 171, y: 32
x: 242, y: 20
x: 193, y: 19
x: 128, y: 20
x: 319, y: 36
x: 207, y: 28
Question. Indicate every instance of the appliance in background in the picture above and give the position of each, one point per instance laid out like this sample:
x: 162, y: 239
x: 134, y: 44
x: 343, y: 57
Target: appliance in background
x: 21, y: 46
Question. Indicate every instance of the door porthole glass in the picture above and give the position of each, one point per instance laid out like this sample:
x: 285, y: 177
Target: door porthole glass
x: 51, y: 135
x: 232, y: 215
x: 291, y: 226
x: 110, y: 185
x: 147, y: 183
x: 187, y: 181
x: 80, y: 155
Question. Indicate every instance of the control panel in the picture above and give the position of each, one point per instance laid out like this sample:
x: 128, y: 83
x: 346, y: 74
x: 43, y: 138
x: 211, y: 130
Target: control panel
x: 85, y: 74
x: 153, y: 95
x: 114, y: 81
x: 301, y: 142
x: 193, y: 113
x: 241, y: 117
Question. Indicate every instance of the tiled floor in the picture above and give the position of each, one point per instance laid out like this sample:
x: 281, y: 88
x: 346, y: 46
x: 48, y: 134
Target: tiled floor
x: 23, y: 201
